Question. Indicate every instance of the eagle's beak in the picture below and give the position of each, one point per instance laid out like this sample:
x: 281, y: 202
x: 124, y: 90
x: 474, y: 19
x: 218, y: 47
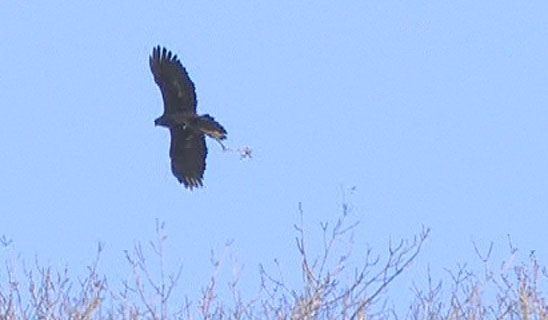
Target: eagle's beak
x: 159, y: 121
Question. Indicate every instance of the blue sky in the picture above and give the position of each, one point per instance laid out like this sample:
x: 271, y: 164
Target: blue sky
x: 435, y: 111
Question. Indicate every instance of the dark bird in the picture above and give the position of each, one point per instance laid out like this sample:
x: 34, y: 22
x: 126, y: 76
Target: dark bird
x: 188, y: 149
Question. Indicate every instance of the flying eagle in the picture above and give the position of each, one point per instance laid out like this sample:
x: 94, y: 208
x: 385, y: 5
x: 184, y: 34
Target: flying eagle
x: 188, y: 149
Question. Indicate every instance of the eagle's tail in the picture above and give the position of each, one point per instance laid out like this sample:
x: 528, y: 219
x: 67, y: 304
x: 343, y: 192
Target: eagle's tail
x: 210, y: 127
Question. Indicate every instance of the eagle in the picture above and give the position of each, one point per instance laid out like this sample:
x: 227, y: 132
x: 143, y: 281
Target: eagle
x: 188, y: 148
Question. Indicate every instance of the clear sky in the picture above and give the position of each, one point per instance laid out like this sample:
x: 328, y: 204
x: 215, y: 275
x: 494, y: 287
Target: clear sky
x: 435, y: 111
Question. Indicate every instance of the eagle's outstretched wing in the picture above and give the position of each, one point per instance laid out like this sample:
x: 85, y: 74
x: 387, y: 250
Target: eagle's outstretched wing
x: 177, y: 89
x: 188, y: 153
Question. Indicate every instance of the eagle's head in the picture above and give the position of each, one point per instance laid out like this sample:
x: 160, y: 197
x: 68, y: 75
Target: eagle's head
x: 162, y: 121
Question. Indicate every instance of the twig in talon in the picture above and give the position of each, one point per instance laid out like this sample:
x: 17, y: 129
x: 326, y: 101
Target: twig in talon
x: 244, y: 152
